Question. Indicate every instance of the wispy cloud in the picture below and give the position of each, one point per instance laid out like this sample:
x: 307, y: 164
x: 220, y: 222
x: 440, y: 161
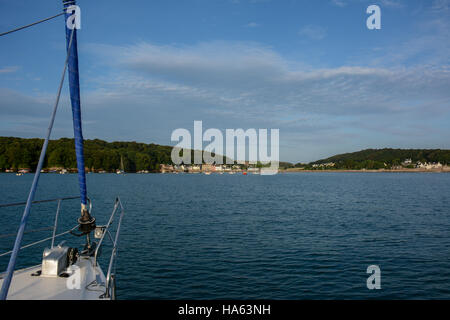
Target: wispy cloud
x: 394, y: 95
x: 231, y: 79
x: 236, y: 84
x: 252, y: 25
x: 249, y: 1
x: 382, y: 3
x: 392, y: 3
x: 313, y: 32
x: 339, y: 3
x: 9, y: 69
x: 441, y: 5
x: 429, y: 47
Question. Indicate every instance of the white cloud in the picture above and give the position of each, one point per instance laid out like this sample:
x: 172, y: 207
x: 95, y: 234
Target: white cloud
x: 151, y: 90
x: 401, y: 97
x: 229, y: 79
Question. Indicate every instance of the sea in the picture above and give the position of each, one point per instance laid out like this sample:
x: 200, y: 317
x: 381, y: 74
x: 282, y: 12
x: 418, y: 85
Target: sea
x: 307, y: 235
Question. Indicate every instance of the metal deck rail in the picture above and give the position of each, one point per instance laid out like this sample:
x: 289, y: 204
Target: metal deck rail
x: 54, y: 228
x: 110, y: 276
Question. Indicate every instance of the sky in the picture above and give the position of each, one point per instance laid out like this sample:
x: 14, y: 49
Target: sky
x: 311, y: 69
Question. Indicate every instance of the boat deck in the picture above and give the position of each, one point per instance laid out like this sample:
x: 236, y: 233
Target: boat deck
x: 24, y: 286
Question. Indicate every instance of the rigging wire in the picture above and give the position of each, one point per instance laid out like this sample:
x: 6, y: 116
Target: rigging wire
x: 31, y: 24
x: 37, y: 201
x: 40, y: 241
x: 28, y: 231
x: 26, y: 212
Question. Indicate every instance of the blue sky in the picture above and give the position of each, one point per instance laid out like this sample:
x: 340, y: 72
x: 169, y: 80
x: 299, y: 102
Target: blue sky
x: 309, y: 68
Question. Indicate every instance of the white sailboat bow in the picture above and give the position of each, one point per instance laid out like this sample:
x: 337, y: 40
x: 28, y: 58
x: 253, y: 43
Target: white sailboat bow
x: 65, y: 272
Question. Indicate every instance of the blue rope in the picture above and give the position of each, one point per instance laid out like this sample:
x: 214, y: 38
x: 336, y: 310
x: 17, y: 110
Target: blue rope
x: 74, y: 83
x: 26, y: 212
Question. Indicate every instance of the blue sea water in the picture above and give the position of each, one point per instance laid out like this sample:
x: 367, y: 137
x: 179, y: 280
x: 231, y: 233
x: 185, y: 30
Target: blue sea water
x: 288, y: 236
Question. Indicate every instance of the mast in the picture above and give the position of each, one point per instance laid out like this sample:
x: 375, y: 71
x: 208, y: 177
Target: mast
x: 74, y: 84
x: 23, y: 223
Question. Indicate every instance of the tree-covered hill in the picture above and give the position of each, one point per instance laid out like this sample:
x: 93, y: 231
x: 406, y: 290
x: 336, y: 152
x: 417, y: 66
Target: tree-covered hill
x: 377, y: 158
x: 99, y: 155
x: 18, y: 153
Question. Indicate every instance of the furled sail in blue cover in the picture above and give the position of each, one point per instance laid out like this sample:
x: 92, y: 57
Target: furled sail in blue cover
x: 74, y: 84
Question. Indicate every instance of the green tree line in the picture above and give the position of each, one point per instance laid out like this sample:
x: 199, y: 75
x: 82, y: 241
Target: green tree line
x: 18, y: 153
x: 384, y: 158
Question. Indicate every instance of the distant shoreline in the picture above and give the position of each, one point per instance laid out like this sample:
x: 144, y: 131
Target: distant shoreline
x: 289, y: 170
x: 294, y: 170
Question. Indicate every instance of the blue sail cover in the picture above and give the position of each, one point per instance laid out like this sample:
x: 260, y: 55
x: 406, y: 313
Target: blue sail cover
x: 74, y: 84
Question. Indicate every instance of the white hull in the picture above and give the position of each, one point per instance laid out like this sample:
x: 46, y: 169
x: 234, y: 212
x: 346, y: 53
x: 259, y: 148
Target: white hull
x: 92, y: 282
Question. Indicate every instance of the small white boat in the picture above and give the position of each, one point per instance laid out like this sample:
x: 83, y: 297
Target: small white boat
x: 121, y: 170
